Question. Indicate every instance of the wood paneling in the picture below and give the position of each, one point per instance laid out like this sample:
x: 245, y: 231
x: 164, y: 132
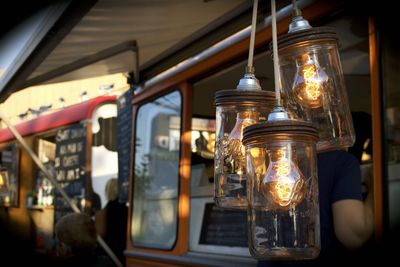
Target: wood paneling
x: 376, y: 98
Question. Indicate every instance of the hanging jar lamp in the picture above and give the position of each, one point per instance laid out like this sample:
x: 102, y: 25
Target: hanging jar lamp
x: 313, y: 82
x: 235, y: 110
x: 283, y: 215
x: 283, y: 209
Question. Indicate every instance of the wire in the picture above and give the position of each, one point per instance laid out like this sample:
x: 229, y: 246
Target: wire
x: 250, y: 68
x: 296, y: 10
x: 275, y: 53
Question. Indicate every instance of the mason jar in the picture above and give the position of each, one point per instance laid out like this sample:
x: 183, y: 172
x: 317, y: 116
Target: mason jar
x: 313, y: 84
x: 235, y: 110
x: 283, y: 213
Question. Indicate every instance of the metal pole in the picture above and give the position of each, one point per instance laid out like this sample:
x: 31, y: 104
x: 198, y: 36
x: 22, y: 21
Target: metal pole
x: 55, y: 183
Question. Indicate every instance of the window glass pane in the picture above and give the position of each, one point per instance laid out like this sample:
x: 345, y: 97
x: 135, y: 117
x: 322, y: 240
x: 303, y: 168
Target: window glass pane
x: 212, y: 229
x: 156, y: 172
x: 391, y: 80
x: 44, y: 189
x: 9, y: 176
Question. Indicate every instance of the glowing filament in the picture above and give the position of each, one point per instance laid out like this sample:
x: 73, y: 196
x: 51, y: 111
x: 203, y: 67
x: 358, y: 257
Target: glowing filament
x: 309, y: 83
x: 235, y: 147
x: 283, y: 182
x: 282, y: 169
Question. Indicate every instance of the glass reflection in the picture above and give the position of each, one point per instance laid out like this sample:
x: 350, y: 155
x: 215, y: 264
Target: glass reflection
x: 156, y: 172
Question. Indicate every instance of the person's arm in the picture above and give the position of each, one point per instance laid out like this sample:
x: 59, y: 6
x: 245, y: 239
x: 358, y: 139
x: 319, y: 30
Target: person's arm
x: 100, y: 222
x: 353, y: 219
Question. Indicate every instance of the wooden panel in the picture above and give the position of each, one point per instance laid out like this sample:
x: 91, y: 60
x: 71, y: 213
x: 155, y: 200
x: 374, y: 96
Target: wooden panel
x: 134, y: 262
x: 129, y: 245
x: 184, y: 169
x: 376, y: 98
x: 19, y: 218
x: 88, y: 168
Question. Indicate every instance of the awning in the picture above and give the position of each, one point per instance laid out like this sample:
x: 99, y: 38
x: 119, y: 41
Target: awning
x: 158, y: 28
x: 54, y: 120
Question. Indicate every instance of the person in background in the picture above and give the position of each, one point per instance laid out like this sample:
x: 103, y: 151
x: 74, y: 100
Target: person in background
x: 96, y: 203
x: 346, y: 222
x: 111, y: 222
x: 201, y: 143
x: 346, y: 216
x: 362, y: 148
x: 362, y: 122
x: 76, y: 239
x: 17, y: 249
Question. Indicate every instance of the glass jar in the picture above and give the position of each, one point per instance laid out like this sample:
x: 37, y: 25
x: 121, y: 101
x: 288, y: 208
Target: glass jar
x: 283, y: 213
x: 235, y: 109
x: 313, y: 84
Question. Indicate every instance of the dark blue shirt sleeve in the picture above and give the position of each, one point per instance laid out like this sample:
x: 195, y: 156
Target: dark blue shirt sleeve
x: 347, y: 178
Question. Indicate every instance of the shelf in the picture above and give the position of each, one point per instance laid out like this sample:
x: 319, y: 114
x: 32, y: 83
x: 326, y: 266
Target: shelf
x: 39, y: 208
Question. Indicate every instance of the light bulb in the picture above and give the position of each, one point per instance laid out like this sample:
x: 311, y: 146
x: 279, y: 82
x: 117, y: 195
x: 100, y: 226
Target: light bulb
x: 235, y: 147
x: 234, y: 150
x: 310, y: 82
x: 283, y: 182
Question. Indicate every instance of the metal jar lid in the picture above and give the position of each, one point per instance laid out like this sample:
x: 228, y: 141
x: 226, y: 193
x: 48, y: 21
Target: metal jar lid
x: 293, y: 128
x: 312, y: 34
x: 243, y: 97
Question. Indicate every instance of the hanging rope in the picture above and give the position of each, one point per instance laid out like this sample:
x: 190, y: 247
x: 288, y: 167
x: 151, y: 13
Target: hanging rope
x: 250, y: 68
x: 296, y: 10
x: 276, y: 58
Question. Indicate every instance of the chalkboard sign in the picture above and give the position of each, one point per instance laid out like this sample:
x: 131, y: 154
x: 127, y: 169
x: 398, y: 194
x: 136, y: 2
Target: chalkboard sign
x: 69, y: 166
x: 124, y: 135
x: 9, y: 177
x: 223, y: 227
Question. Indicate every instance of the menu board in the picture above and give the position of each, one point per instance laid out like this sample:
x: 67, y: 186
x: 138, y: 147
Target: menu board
x: 70, y: 161
x: 9, y: 177
x: 124, y: 136
x: 223, y: 227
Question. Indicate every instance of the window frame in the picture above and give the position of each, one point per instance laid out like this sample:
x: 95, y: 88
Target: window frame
x: 180, y: 246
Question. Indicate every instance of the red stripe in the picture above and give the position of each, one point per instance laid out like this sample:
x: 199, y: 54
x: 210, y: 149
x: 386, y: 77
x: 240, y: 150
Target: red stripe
x: 67, y: 115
